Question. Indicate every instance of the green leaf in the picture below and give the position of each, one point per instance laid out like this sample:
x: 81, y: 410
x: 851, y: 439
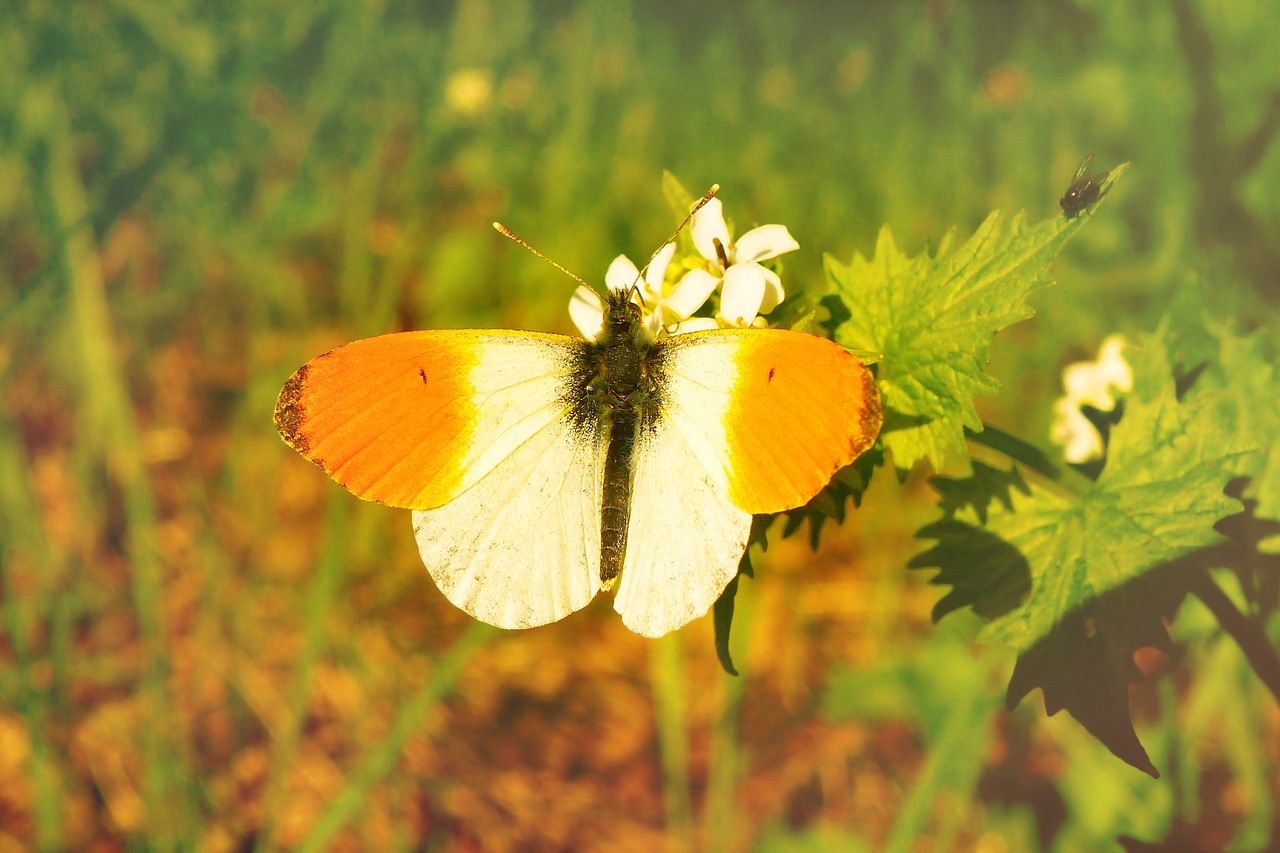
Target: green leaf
x: 1086, y: 564
x: 1157, y: 498
x: 932, y: 319
x: 1209, y: 353
x: 1085, y: 663
x: 848, y: 484
x: 678, y: 199
x: 722, y: 617
x: 1246, y: 373
x: 984, y: 571
x: 979, y: 490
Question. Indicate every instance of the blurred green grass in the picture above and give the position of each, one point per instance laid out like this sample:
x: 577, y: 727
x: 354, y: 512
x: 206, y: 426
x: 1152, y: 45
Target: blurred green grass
x: 195, y: 199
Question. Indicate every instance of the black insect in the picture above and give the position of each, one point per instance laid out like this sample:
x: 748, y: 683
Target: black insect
x: 1084, y: 190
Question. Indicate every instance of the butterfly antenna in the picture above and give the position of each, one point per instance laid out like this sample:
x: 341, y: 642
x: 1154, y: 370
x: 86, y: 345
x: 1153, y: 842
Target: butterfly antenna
x: 507, y: 232
x: 706, y: 197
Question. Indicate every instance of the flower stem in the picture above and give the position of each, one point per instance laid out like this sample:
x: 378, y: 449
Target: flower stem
x: 667, y: 667
x: 1264, y: 659
x: 1030, y: 456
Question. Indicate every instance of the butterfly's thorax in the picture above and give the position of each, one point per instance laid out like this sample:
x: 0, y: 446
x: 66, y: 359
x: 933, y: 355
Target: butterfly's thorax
x: 622, y: 395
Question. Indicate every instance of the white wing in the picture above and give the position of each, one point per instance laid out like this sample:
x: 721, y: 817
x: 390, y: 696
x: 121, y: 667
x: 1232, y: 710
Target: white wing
x: 751, y: 421
x: 685, y: 537
x: 521, y: 547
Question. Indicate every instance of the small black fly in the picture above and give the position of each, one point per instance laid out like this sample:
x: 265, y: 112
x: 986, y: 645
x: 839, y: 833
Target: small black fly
x: 1084, y: 190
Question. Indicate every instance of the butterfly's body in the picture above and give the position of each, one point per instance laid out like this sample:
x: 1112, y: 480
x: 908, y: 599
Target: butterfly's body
x: 541, y: 469
x: 623, y: 399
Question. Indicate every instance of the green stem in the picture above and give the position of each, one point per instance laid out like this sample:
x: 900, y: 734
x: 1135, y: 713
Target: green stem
x: 1252, y: 640
x: 111, y: 430
x: 953, y: 763
x: 720, y: 816
x: 667, y: 665
x: 1016, y: 449
x: 319, y: 599
x: 1029, y: 456
x: 19, y: 514
x: 349, y: 802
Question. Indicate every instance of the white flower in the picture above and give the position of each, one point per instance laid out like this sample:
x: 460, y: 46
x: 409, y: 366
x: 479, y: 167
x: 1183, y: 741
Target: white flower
x: 749, y: 288
x: 1092, y: 381
x: 669, y: 310
x: 1089, y: 383
x: 1079, y: 439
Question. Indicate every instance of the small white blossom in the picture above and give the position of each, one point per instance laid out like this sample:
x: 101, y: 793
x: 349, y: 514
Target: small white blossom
x: 667, y: 310
x: 1091, y: 383
x: 586, y: 310
x: 749, y: 288
x: 1079, y: 438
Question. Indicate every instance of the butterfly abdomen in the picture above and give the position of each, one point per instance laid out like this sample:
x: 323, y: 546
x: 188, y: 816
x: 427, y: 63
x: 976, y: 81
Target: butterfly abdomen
x: 625, y: 397
x: 615, y: 506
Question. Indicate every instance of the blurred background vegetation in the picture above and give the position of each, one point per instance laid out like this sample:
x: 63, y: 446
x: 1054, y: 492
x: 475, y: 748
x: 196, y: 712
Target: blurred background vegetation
x: 207, y: 644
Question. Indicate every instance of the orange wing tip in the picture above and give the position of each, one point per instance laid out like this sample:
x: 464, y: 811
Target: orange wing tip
x: 872, y: 417
x: 291, y: 416
x: 289, y: 411
x: 788, y: 438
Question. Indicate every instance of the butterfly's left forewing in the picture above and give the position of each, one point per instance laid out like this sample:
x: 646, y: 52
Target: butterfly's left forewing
x: 414, y: 419
x: 476, y: 432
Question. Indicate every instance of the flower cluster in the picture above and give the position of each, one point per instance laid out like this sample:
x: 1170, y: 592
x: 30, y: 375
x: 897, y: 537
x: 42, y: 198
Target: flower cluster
x: 1089, y: 383
x: 669, y: 299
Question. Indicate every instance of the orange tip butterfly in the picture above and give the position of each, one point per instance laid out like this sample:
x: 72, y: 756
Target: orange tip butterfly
x: 542, y: 469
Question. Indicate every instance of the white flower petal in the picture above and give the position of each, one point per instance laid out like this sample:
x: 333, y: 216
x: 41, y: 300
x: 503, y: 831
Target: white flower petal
x: 657, y: 270
x: 653, y: 322
x: 1081, y: 441
x: 693, y: 324
x: 1086, y: 383
x: 691, y: 292
x: 773, y: 292
x: 1092, y: 382
x: 1111, y: 363
x: 587, y: 312
x: 767, y: 241
x: 708, y: 225
x: 1079, y: 378
x: 744, y: 287
x: 622, y: 273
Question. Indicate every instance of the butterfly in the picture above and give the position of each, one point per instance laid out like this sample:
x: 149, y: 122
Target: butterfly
x: 542, y: 469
